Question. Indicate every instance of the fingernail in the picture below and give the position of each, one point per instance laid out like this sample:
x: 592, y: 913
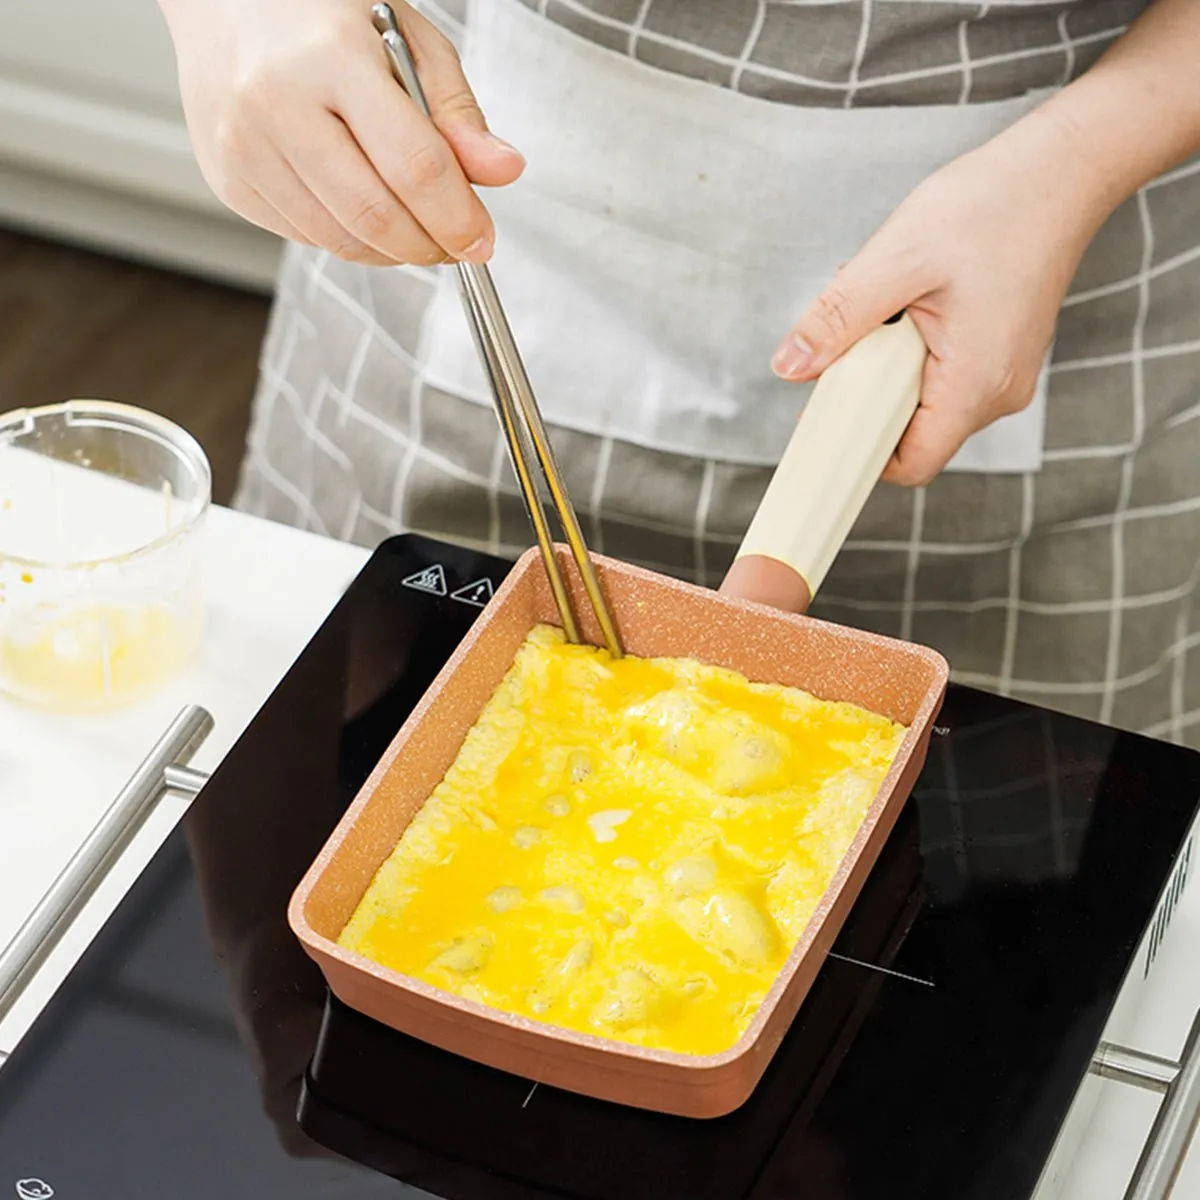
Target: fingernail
x: 792, y: 358
x: 503, y: 146
x: 479, y: 251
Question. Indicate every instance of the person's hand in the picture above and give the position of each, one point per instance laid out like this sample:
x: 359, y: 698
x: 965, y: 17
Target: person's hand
x: 981, y: 255
x: 299, y: 126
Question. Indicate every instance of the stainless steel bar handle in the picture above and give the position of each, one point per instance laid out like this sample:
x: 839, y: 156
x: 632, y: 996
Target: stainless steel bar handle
x: 79, y: 879
x: 510, y: 383
x: 1171, y: 1134
x: 1174, y: 1126
x: 184, y: 780
x: 1146, y: 1071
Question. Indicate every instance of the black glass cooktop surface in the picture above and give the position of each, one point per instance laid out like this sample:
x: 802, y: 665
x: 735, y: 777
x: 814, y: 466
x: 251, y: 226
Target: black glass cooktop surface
x: 194, y: 1053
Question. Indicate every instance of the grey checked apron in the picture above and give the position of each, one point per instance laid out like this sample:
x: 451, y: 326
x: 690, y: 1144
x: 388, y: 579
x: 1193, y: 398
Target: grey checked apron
x: 1069, y: 585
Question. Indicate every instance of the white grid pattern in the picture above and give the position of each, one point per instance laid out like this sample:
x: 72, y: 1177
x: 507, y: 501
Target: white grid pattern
x: 964, y: 55
x: 495, y: 481
x: 596, y: 507
x: 915, y: 548
x: 1012, y: 602
x: 853, y: 81
x: 912, y: 564
x: 700, y: 526
x: 635, y: 30
x: 1180, y: 718
x: 760, y: 19
x: 842, y: 74
x: 1120, y: 583
x: 693, y: 521
x: 1068, y: 48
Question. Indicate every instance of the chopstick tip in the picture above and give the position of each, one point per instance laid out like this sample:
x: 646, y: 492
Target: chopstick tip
x: 384, y: 19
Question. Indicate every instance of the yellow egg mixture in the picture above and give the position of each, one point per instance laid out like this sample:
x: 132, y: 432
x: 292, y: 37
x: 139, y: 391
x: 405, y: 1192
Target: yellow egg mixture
x: 90, y: 656
x: 627, y: 848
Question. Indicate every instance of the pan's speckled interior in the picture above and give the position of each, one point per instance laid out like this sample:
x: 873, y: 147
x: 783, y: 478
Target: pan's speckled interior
x: 656, y: 616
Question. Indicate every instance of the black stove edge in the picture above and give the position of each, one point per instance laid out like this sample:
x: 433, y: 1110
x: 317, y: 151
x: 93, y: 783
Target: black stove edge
x: 94, y: 958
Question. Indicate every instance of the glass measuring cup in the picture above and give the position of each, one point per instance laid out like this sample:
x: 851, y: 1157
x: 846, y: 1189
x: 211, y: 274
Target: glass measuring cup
x: 101, y: 590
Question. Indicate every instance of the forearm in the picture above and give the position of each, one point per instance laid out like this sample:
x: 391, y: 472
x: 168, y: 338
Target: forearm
x: 1134, y: 115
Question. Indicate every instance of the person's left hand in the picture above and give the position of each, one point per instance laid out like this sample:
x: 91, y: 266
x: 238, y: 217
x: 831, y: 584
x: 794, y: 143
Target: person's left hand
x: 981, y: 255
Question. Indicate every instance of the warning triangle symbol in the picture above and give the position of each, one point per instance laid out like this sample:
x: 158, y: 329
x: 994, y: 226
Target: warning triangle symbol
x: 477, y: 593
x: 431, y: 580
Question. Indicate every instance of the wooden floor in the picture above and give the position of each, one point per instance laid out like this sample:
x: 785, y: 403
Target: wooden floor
x: 76, y: 324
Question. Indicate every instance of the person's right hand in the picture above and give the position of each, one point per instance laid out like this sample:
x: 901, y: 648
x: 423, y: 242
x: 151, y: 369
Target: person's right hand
x: 300, y: 127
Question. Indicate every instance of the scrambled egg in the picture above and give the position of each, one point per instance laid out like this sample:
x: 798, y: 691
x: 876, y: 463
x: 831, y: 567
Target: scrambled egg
x: 627, y: 848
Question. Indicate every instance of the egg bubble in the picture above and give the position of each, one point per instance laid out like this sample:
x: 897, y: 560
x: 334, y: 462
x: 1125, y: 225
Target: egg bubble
x: 527, y: 837
x: 503, y: 899
x: 566, y: 898
x: 557, y: 805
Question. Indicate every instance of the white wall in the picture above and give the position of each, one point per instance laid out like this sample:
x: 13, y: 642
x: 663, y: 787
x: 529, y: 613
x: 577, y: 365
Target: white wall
x: 93, y: 145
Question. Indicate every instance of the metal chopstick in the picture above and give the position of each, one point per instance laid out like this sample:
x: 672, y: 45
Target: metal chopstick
x: 510, y: 422
x: 516, y: 405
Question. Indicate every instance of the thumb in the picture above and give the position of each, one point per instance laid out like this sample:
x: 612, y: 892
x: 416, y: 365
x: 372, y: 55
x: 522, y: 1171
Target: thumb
x: 864, y: 294
x: 486, y: 159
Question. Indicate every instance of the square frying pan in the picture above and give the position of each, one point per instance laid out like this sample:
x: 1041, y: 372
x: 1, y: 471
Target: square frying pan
x: 852, y: 424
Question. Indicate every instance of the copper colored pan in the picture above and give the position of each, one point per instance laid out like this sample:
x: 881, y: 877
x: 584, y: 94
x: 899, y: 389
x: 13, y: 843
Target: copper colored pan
x: 848, y: 431
x: 657, y: 616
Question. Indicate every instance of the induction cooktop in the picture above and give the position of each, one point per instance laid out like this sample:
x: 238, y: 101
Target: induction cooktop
x: 194, y: 1052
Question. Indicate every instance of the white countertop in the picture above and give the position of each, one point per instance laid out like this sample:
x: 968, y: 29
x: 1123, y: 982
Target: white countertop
x: 269, y: 588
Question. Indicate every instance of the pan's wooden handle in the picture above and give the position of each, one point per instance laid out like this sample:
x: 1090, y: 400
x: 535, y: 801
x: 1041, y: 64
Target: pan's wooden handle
x: 843, y: 440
